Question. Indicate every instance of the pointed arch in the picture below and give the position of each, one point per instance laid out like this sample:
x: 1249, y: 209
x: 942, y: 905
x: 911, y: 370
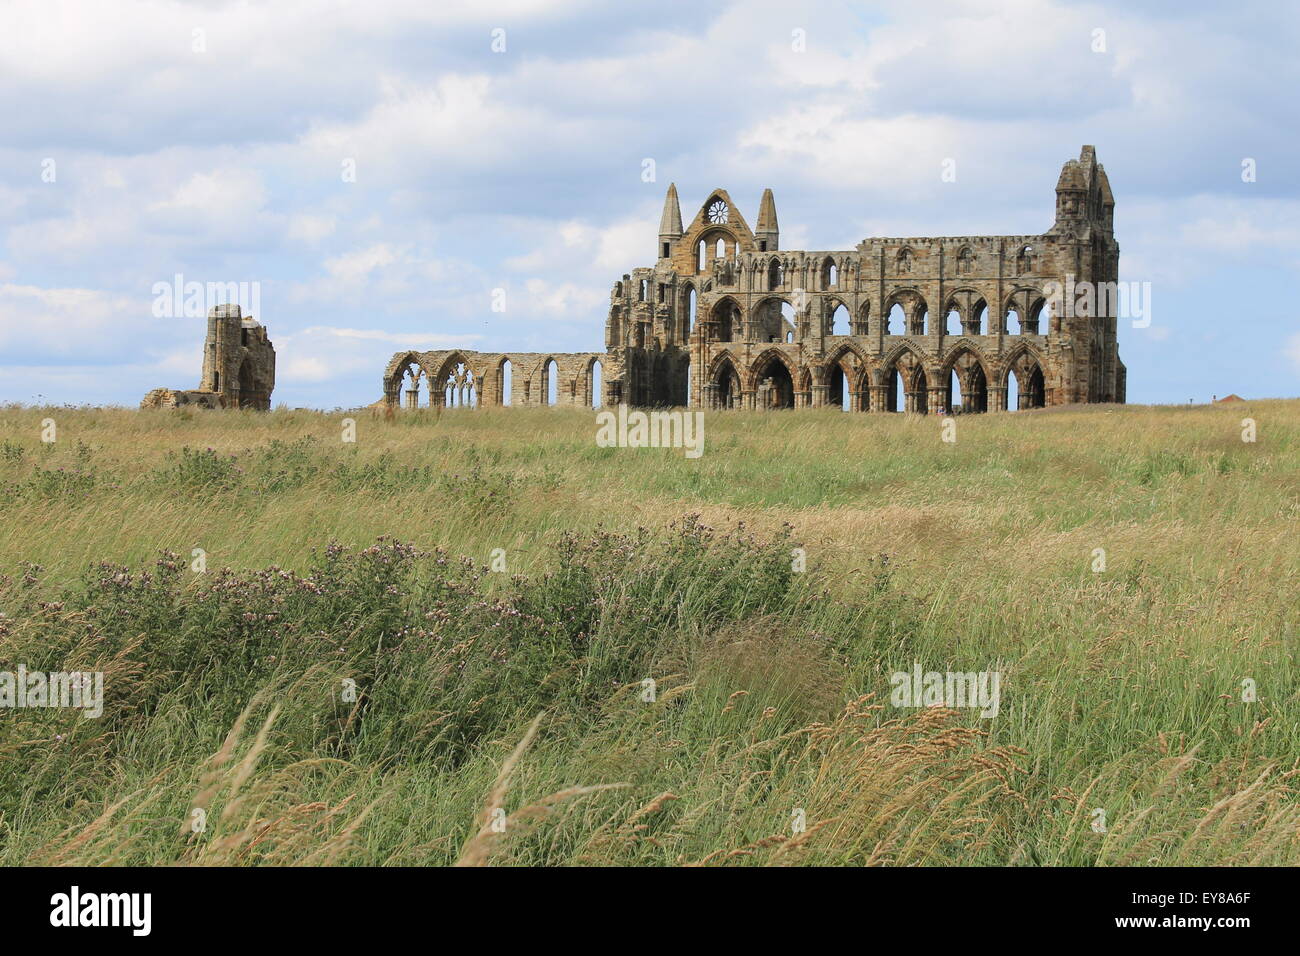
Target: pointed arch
x: 405, y: 369
x: 723, y: 388
x: 594, y: 375
x: 726, y: 319
x: 1024, y: 365
x: 505, y: 381
x: 772, y: 380
x: 843, y: 374
x: 965, y: 374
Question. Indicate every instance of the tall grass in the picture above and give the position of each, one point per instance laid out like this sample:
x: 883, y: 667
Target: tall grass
x: 651, y: 680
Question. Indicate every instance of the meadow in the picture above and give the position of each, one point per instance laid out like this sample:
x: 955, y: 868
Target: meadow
x: 478, y: 638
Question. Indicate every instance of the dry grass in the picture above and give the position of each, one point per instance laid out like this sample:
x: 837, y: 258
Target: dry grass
x: 1123, y: 689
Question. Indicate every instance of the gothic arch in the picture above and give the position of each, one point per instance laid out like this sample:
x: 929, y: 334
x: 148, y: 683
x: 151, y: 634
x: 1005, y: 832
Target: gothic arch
x: 914, y: 307
x: 724, y: 388
x: 966, y: 302
x: 727, y: 318
x: 772, y: 368
x: 459, y: 374
x: 863, y: 318
x: 967, y: 362
x: 1031, y: 376
x: 406, y: 366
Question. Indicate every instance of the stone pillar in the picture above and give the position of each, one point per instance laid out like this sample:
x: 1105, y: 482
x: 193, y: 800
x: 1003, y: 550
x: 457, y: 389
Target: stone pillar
x: 997, y: 396
x: 412, y: 398
x: 819, y: 394
x: 938, y: 399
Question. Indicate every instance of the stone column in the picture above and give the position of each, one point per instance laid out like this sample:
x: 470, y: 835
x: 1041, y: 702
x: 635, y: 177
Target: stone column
x: 997, y: 396
x: 938, y: 399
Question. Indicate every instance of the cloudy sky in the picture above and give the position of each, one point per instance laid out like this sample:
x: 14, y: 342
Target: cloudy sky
x: 379, y: 168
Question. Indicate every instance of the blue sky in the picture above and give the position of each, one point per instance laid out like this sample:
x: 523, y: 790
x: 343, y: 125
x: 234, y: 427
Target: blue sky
x: 209, y: 138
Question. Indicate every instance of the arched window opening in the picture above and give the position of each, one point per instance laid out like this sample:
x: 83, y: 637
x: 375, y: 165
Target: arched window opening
x: 840, y: 320
x: 1012, y: 325
x: 721, y: 251
x: 979, y: 320
x: 789, y: 323
x: 896, y: 321
x: 955, y: 402
x: 595, y: 383
x: 921, y: 393
x: 1040, y: 318
x: 774, y: 277
x: 552, y: 376
x: 411, y: 383
x: 461, y: 389
x: 951, y: 322
x: 507, y: 377
x: 699, y: 257
x: 895, y: 397
x: 726, y: 386
x: 1028, y: 388
x: 726, y: 320
x: 690, y: 315
x: 641, y: 290
x: 775, y: 386
x: 836, y: 393
x: 1025, y: 260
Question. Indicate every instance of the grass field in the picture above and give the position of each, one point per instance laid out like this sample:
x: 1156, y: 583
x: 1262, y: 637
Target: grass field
x: 350, y: 679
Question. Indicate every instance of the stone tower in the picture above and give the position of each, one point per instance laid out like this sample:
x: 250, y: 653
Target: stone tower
x: 238, y: 366
x: 238, y: 359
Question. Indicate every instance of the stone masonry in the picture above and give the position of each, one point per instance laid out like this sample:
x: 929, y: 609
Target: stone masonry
x: 238, y: 366
x: 727, y: 319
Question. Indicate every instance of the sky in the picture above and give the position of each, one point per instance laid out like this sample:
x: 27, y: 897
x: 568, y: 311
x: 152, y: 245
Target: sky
x: 373, y: 171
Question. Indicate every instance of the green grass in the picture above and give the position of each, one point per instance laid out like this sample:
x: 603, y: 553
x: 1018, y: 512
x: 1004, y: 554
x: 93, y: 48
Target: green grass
x: 371, y: 565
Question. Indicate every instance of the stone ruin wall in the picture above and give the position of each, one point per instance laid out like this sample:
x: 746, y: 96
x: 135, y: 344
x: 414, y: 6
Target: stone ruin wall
x: 457, y: 378
x: 749, y: 325
x: 238, y: 366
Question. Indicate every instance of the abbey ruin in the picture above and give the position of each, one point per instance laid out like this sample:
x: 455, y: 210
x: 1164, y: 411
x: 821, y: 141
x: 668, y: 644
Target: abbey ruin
x: 727, y: 319
x: 238, y: 366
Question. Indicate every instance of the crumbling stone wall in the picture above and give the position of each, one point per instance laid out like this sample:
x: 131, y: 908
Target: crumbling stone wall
x: 458, y: 378
x: 727, y: 319
x: 238, y: 366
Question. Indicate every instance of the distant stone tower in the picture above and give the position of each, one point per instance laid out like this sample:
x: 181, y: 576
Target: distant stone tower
x: 238, y: 366
x: 238, y: 360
